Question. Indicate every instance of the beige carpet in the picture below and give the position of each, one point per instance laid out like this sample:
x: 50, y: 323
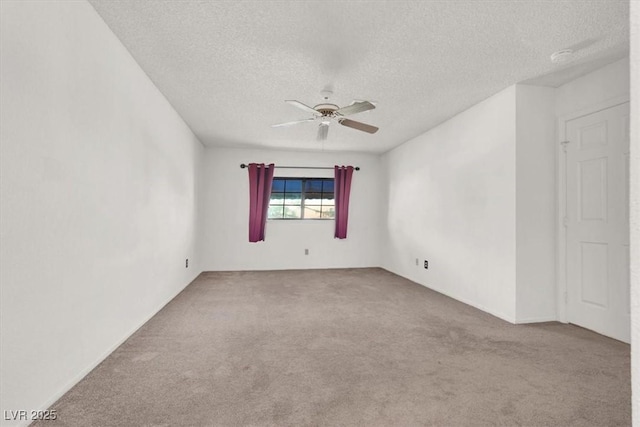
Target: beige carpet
x: 355, y: 347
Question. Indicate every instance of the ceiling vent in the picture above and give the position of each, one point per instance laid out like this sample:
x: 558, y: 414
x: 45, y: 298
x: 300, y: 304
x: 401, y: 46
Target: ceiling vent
x: 561, y: 56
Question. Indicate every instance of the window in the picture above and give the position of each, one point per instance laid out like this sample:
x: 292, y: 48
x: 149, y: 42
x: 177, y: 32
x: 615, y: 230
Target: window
x: 302, y: 198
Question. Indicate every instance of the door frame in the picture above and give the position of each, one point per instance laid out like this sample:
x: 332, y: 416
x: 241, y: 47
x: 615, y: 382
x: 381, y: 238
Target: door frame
x: 561, y: 175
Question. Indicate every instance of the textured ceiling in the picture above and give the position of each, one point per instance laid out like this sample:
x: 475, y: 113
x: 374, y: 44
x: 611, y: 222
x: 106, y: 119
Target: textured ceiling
x: 227, y: 67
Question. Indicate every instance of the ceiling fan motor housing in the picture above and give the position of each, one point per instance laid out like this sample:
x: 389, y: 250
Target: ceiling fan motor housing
x: 327, y: 110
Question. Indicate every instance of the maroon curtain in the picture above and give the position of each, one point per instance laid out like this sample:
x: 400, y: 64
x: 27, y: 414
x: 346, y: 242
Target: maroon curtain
x: 260, y: 179
x: 342, y: 189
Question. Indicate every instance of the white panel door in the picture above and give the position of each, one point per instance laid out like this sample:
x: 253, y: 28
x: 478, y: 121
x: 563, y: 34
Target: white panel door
x: 597, y: 201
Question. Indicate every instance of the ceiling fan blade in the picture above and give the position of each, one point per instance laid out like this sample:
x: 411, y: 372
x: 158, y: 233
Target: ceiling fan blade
x: 293, y: 123
x: 356, y: 107
x: 358, y: 125
x: 302, y: 106
x: 323, y: 130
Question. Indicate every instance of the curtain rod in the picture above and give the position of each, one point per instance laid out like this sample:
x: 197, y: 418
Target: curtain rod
x: 242, y: 165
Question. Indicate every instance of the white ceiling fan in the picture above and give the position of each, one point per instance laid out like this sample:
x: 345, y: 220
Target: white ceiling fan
x: 325, y: 113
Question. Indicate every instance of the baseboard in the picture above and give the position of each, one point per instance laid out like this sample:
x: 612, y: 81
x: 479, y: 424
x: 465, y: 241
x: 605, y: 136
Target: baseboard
x: 84, y: 372
x: 499, y: 315
x: 537, y: 319
x: 295, y: 268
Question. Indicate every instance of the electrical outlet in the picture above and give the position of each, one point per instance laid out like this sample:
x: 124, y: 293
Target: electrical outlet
x: 426, y: 264
x: 306, y: 251
x: 186, y: 263
x: 417, y: 262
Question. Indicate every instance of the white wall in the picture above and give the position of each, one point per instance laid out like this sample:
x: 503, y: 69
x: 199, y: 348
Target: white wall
x: 225, y: 202
x: 611, y: 81
x: 99, y: 192
x: 451, y: 200
x: 482, y: 172
x: 634, y: 195
x: 536, y: 210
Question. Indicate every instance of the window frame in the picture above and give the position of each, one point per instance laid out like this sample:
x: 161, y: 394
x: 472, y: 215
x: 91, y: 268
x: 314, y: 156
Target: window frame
x: 302, y: 197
